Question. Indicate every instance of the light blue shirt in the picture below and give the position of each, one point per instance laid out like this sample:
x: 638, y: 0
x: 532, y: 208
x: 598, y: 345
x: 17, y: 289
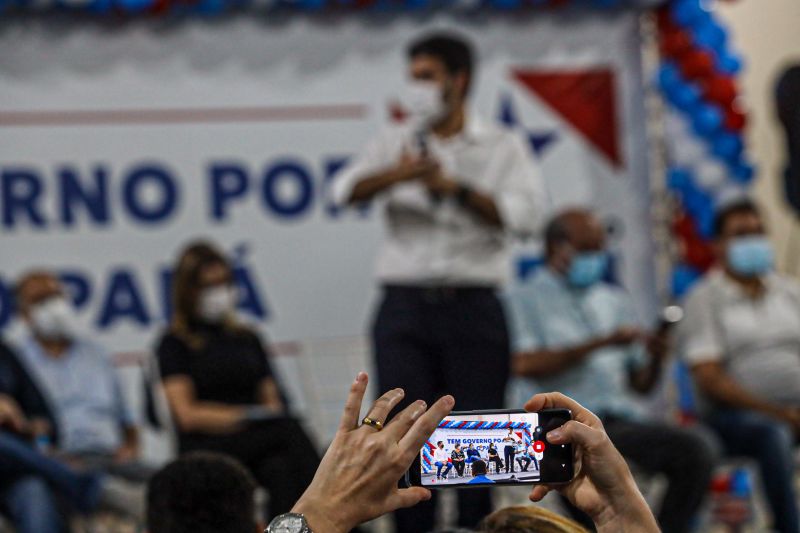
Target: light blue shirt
x: 546, y: 313
x: 83, y: 391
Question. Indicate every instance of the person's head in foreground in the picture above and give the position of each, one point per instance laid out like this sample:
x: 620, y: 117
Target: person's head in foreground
x: 522, y: 519
x: 440, y: 444
x: 440, y: 71
x: 575, y: 246
x: 43, y: 305
x: 202, y: 492
x: 478, y: 468
x: 357, y: 479
x: 741, y: 243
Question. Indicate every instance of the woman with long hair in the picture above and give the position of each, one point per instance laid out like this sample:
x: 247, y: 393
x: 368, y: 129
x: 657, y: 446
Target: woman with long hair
x: 220, y: 387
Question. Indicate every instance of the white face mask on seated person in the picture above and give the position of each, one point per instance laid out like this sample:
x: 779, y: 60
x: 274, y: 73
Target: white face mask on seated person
x: 217, y: 303
x: 53, y: 319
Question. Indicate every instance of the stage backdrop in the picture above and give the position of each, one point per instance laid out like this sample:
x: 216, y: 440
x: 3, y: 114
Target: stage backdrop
x: 119, y: 144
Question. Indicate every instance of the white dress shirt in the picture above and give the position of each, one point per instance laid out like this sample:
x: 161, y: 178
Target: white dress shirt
x: 431, y: 242
x: 756, y: 340
x: 440, y: 455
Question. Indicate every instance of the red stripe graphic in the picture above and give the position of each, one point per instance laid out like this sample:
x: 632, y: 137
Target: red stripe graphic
x: 99, y: 117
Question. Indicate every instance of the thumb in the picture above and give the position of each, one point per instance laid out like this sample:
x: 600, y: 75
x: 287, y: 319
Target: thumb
x: 577, y: 433
x: 408, y: 497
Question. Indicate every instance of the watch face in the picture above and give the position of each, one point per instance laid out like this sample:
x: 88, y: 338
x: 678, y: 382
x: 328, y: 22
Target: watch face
x: 288, y: 524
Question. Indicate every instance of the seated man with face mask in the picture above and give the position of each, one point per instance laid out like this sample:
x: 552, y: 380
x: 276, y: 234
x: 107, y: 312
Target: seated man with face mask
x: 219, y: 382
x: 91, y: 425
x: 741, y: 339
x: 575, y: 333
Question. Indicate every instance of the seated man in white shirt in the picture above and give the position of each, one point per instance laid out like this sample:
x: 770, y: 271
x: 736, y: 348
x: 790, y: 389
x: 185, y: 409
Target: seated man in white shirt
x: 741, y: 338
x: 441, y: 459
x: 94, y: 428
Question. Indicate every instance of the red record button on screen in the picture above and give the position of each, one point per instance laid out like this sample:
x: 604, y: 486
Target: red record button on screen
x: 538, y: 446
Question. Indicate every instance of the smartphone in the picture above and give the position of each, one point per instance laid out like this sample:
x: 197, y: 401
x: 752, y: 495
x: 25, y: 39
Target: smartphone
x: 504, y: 447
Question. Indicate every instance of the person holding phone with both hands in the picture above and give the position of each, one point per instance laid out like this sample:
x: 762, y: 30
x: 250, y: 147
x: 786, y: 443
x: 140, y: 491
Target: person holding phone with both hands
x: 357, y: 479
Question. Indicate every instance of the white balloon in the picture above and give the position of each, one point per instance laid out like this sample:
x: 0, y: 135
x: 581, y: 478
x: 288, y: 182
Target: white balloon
x: 686, y: 150
x: 675, y: 126
x: 730, y: 193
x: 710, y: 173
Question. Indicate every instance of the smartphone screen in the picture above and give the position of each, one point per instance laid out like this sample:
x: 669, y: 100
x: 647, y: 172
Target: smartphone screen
x: 493, y: 447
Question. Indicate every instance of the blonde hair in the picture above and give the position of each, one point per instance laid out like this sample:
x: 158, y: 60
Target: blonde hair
x: 528, y: 519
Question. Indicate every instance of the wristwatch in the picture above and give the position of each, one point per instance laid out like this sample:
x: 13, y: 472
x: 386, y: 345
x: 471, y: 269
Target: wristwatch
x: 289, y: 523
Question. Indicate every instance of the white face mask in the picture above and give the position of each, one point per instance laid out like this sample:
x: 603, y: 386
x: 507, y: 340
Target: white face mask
x: 217, y: 303
x: 53, y: 319
x: 425, y: 103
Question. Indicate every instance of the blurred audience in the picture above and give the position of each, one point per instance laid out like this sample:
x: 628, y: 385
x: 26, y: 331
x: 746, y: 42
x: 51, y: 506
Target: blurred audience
x: 340, y: 497
x: 25, y: 495
x: 219, y: 384
x: 35, y: 485
x: 741, y: 338
x: 576, y: 333
x: 455, y: 187
x: 91, y: 426
x: 202, y: 492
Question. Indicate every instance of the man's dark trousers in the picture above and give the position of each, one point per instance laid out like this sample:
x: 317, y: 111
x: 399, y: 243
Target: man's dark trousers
x: 436, y: 341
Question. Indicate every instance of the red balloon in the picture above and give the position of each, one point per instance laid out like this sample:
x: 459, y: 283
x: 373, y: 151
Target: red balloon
x: 735, y: 120
x: 695, y: 251
x: 721, y: 90
x: 675, y: 43
x: 664, y: 20
x: 697, y: 64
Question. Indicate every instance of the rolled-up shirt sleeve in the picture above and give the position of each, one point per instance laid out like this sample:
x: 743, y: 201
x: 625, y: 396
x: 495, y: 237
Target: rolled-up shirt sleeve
x: 522, y: 200
x: 378, y: 154
x: 699, y: 334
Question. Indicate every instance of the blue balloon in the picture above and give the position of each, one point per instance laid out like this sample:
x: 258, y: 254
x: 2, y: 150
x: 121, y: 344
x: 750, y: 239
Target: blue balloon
x: 729, y: 63
x: 679, y: 180
x: 312, y: 5
x: 100, y: 6
x: 705, y: 221
x: 683, y: 277
x: 685, y: 96
x: 710, y: 35
x: 669, y: 77
x: 727, y: 146
x: 606, y: 4
x: 706, y: 119
x: 210, y: 7
x: 689, y: 13
x: 697, y: 203
x: 740, y: 483
x: 743, y: 173
x: 505, y: 4
x: 133, y: 6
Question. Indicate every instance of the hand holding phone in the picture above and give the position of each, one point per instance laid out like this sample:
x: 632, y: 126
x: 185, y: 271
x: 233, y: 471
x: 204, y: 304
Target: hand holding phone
x: 603, y: 486
x: 357, y: 479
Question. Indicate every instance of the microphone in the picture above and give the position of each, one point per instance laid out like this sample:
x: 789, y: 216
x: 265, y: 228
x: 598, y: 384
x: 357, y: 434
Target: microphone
x: 421, y: 138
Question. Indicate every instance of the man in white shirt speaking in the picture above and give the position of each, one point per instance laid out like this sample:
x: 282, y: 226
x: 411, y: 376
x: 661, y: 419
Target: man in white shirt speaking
x: 455, y: 188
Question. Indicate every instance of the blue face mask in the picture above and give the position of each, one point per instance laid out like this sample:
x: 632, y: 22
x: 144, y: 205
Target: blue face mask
x: 750, y: 256
x: 587, y: 268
